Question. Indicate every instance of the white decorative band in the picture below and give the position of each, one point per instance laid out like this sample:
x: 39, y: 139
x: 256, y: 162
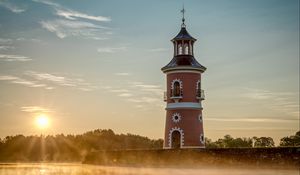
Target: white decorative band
x: 184, y: 71
x: 186, y: 105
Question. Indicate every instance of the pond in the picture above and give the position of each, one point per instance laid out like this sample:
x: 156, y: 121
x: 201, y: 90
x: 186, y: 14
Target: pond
x: 81, y: 169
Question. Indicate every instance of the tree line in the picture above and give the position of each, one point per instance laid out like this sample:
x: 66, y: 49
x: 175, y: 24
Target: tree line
x: 74, y: 147
x: 230, y: 142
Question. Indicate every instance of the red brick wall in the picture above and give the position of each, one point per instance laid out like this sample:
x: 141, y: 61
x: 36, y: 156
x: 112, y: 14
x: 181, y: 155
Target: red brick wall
x: 189, y: 81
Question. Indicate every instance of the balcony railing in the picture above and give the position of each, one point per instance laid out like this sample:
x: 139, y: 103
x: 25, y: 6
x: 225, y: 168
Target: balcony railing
x: 165, y: 96
x: 200, y: 94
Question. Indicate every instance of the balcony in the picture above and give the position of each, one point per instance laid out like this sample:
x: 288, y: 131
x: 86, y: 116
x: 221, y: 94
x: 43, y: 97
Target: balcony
x: 165, y: 96
x: 200, y: 95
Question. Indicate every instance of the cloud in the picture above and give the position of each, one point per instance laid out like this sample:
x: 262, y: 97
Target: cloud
x: 147, y: 86
x: 125, y: 95
x: 118, y: 90
x: 62, y: 80
x: 111, y: 49
x: 65, y: 28
x: 279, y: 101
x: 5, y: 41
x: 123, y: 74
x: 51, y: 3
x: 71, y: 24
x: 6, y: 47
x: 12, y: 7
x: 21, y: 81
x: 73, y: 15
x: 158, y: 50
x: 48, y: 81
x: 14, y: 58
x: 35, y: 109
x: 8, y: 77
x: 259, y: 120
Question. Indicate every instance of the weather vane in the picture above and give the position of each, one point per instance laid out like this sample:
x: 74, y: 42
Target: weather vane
x: 182, y: 11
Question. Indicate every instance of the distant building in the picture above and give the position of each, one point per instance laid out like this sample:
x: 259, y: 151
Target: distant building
x: 184, y: 120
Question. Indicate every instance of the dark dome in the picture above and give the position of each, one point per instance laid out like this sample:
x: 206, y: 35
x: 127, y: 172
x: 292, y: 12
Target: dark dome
x: 184, y: 62
x: 183, y: 35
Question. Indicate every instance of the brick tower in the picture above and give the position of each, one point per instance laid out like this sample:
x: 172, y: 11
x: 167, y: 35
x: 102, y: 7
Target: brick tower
x: 184, y: 122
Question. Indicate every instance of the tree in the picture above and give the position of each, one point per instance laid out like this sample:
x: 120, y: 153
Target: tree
x: 263, y: 142
x: 293, y: 140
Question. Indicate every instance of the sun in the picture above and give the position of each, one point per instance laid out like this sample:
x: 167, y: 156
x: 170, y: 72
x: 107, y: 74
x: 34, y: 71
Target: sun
x: 42, y: 121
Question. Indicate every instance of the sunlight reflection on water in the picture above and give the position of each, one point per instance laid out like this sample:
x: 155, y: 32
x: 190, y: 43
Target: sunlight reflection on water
x: 79, y: 169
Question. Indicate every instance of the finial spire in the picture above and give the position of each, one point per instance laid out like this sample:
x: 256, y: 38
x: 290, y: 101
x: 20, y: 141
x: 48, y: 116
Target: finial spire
x: 182, y: 11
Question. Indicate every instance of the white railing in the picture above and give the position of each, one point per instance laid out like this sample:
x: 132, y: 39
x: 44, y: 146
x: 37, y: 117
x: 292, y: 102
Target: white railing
x: 200, y: 95
x: 165, y: 96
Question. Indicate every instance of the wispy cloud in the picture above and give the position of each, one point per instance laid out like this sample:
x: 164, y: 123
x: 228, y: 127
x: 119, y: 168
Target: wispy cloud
x: 259, y: 120
x: 111, y: 49
x: 125, y: 95
x: 5, y: 41
x: 14, y: 58
x: 72, y: 25
x: 6, y: 47
x: 280, y: 101
x: 35, y: 109
x: 73, y: 15
x: 48, y: 81
x: 62, y: 80
x: 65, y: 28
x: 12, y: 7
x: 158, y: 50
x: 22, y: 81
x: 8, y: 77
x: 123, y: 74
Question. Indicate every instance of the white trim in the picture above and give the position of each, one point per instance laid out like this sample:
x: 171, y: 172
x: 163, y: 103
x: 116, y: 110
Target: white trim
x: 174, y: 81
x: 181, y: 136
x: 186, y: 105
x: 184, y: 68
x: 178, y: 117
x: 197, y: 85
x: 184, y: 71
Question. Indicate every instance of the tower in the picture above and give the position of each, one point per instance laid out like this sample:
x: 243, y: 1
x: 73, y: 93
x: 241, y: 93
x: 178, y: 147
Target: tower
x: 184, y: 122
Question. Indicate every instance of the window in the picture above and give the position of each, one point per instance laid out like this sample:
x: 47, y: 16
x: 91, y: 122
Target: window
x: 176, y: 117
x: 176, y: 91
x: 179, y: 49
x: 176, y: 88
x: 186, y: 49
x: 198, y: 89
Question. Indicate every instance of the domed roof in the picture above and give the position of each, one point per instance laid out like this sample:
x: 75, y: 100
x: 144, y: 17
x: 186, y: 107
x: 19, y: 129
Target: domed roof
x: 183, y: 35
x: 183, y: 62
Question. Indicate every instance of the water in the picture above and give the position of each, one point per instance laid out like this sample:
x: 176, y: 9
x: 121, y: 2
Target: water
x: 79, y: 169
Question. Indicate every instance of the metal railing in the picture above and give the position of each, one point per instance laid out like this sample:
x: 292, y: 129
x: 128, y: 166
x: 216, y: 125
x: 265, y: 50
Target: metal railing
x: 200, y: 94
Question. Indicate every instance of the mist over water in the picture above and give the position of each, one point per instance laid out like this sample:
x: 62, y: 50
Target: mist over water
x: 81, y: 169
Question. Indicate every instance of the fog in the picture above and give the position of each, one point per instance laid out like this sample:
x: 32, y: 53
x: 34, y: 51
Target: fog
x: 81, y: 169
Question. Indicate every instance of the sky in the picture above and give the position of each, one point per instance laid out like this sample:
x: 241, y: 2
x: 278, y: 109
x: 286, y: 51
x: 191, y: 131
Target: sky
x: 96, y: 64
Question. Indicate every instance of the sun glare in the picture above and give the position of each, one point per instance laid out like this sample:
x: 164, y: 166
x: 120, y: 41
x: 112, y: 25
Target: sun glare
x: 42, y: 121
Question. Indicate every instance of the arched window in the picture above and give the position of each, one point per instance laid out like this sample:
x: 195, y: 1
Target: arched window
x: 198, y: 89
x: 179, y: 49
x: 176, y: 90
x: 186, y: 49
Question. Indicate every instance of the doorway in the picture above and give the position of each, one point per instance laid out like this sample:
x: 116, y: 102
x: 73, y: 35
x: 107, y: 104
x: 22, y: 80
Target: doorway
x: 176, y: 139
